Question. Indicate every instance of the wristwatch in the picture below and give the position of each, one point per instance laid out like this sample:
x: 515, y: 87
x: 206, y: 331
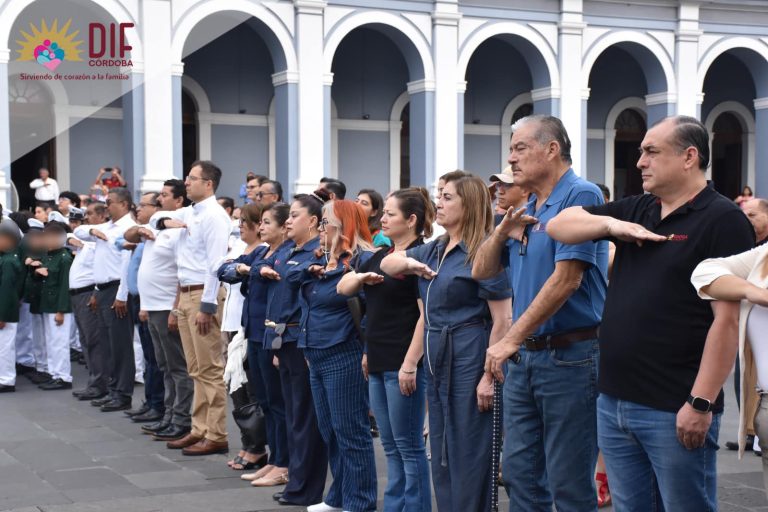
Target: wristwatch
x: 700, y: 404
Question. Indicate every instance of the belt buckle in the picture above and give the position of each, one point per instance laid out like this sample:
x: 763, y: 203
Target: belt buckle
x: 270, y: 324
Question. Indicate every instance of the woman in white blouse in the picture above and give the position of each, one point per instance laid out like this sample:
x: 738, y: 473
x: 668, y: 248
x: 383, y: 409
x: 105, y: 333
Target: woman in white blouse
x: 744, y: 277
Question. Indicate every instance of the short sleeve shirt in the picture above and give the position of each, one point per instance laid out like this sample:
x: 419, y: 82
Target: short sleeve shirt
x: 531, y: 269
x: 654, y: 324
x: 452, y: 297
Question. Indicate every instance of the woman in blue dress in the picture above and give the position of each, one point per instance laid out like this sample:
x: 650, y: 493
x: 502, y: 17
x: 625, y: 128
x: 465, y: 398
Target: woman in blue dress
x: 308, y: 455
x: 331, y: 343
x: 461, y: 318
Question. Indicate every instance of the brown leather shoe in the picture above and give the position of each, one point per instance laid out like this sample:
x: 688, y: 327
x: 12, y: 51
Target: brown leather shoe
x: 206, y: 447
x: 187, y: 440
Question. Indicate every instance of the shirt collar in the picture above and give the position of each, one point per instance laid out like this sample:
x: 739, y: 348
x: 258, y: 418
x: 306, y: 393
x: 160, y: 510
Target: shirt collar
x: 561, y: 187
x: 124, y: 220
x: 205, y: 203
x: 309, y: 246
x: 697, y: 202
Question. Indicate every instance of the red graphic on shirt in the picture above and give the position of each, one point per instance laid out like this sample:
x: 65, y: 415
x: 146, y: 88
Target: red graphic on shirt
x: 677, y: 238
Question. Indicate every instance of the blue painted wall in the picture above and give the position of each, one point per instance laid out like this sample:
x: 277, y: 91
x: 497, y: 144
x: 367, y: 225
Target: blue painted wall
x: 369, y: 73
x: 616, y: 75
x: 234, y: 80
x: 94, y: 143
x: 364, y: 161
x: 595, y: 161
x: 482, y: 154
x: 728, y: 79
x: 237, y: 150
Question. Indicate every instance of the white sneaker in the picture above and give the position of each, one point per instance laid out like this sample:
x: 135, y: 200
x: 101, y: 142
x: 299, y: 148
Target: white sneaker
x: 322, y: 507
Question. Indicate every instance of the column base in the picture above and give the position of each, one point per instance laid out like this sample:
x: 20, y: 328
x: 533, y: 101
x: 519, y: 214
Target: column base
x: 153, y: 183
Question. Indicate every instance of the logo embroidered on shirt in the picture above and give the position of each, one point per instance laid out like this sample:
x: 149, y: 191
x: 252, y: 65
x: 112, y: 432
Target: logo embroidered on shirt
x: 677, y: 238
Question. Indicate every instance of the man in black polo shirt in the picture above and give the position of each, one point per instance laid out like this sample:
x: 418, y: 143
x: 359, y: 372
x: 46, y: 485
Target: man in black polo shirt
x: 665, y: 353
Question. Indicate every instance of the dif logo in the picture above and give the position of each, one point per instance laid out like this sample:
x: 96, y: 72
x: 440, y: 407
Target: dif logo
x: 51, y: 45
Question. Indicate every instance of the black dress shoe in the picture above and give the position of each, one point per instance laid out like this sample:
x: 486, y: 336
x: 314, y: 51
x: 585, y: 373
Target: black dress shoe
x: 172, y: 433
x: 153, y: 428
x: 150, y: 415
x: 39, y: 377
x: 98, y: 402
x: 116, y: 405
x: 732, y: 445
x: 93, y: 394
x: 141, y: 410
x: 22, y: 369
x: 277, y: 496
x: 5, y: 388
x: 55, y: 384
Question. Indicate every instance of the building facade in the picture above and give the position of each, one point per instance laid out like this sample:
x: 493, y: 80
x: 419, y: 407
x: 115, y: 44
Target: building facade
x: 379, y: 93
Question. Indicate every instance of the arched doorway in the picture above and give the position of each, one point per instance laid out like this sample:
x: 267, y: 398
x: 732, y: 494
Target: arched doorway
x: 630, y: 129
x: 189, y: 132
x: 405, y: 147
x: 32, y: 134
x: 727, y: 151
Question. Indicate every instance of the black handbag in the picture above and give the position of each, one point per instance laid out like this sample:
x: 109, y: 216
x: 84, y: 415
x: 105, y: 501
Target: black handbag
x: 251, y: 422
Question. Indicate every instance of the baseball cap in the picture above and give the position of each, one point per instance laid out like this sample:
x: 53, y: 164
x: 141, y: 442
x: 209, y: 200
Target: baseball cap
x: 76, y: 213
x: 504, y: 176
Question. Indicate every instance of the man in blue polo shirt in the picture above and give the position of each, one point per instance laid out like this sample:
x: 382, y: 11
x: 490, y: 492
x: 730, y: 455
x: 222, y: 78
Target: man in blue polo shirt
x: 550, y: 447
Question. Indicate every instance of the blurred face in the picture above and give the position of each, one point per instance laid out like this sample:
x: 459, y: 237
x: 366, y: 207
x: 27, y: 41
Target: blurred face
x: 449, y: 207
x: 74, y: 223
x: 146, y: 208
x: 661, y: 168
x: 393, y: 222
x: 252, y: 190
x: 44, y: 174
x: 91, y: 217
x: 221, y: 203
x: 167, y: 202
x: 197, y: 186
x: 249, y: 233
x: 758, y: 217
x: 440, y: 187
x: 364, y: 200
x: 236, y: 214
x: 53, y: 240
x: 41, y: 214
x: 527, y: 156
x: 116, y: 207
x: 509, y: 194
x: 270, y: 231
x: 300, y: 223
x: 266, y: 194
x: 747, y: 192
x: 329, y: 231
x: 7, y: 244
x: 64, y: 205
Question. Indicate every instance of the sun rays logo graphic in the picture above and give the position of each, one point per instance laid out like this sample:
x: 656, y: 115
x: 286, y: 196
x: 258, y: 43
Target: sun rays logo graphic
x: 49, y: 46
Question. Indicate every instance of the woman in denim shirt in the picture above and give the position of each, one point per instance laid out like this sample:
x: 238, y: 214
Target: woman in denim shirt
x: 308, y: 461
x: 332, y: 347
x: 461, y: 318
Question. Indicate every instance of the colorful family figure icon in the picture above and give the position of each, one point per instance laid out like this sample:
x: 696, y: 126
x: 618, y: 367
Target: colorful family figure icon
x: 49, y: 54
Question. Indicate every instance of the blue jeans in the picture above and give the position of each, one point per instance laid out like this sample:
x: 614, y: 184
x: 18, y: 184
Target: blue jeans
x: 401, y: 422
x: 341, y: 404
x: 550, y: 443
x: 648, y: 468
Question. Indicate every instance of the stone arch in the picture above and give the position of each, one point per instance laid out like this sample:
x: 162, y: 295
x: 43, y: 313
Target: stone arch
x: 752, y: 52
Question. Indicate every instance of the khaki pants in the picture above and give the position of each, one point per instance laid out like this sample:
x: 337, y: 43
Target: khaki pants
x: 205, y: 364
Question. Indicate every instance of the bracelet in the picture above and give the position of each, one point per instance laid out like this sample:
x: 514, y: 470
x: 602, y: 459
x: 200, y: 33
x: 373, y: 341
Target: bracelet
x: 407, y: 372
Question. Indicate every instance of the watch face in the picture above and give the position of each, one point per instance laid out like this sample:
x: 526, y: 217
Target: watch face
x: 700, y: 404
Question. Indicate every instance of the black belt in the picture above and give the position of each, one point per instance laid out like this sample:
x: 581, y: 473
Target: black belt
x: 187, y: 288
x: 76, y: 291
x: 109, y: 284
x: 550, y: 341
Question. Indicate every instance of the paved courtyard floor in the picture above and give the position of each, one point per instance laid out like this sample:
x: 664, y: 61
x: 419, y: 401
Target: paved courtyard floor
x: 61, y: 455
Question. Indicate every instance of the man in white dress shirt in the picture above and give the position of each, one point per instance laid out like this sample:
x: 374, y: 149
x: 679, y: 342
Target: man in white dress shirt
x: 82, y: 288
x: 158, y: 282
x: 109, y: 271
x: 205, y: 229
x: 46, y: 188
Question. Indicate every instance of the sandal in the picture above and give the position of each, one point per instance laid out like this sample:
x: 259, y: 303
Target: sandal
x: 246, y: 465
x: 258, y: 474
x: 280, y: 479
x: 603, y: 492
x: 237, y: 459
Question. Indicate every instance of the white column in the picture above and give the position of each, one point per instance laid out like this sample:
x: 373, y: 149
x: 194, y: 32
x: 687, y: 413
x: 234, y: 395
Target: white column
x: 5, y: 132
x: 687, y: 58
x: 761, y: 150
x: 572, y: 98
x: 158, y: 95
x: 311, y: 102
x: 445, y: 34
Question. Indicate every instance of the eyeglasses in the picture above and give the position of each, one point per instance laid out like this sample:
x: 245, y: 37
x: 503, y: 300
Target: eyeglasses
x: 251, y: 187
x: 323, y: 224
x: 196, y: 178
x: 262, y: 194
x: 524, y: 241
x: 505, y: 186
